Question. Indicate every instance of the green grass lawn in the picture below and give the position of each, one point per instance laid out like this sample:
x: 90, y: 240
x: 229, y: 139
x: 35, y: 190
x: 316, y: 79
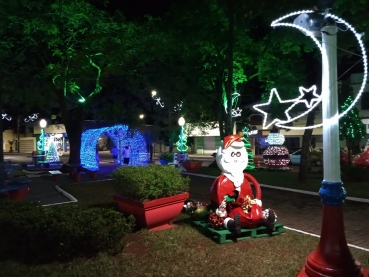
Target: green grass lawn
x: 289, y: 179
x: 183, y: 251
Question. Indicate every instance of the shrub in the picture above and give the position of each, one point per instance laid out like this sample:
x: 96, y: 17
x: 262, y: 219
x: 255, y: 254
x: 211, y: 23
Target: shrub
x: 29, y: 231
x: 167, y: 157
x: 144, y: 183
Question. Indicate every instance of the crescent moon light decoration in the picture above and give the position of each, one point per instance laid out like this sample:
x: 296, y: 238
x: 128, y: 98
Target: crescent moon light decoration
x: 317, y: 100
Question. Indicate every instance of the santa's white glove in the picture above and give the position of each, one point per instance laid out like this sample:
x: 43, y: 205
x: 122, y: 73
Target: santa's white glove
x: 258, y: 202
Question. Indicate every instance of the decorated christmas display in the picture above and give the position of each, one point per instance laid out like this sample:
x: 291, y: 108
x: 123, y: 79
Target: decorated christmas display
x: 250, y: 165
x: 276, y: 156
x: 52, y: 154
x: 182, y: 142
x: 363, y: 159
x: 231, y: 194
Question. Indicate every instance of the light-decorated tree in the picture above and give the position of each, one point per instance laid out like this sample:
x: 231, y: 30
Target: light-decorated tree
x: 352, y: 129
x: 75, y: 46
x: 52, y: 154
x: 251, y: 164
x: 182, y: 143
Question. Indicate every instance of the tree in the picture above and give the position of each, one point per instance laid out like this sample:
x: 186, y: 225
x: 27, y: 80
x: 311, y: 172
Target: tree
x: 52, y: 154
x: 250, y: 165
x: 352, y: 129
x: 75, y: 46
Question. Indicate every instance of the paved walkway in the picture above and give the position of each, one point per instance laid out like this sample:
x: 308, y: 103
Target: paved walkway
x: 295, y: 210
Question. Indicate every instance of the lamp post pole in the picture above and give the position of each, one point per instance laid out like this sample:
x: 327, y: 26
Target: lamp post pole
x: 43, y: 125
x: 332, y: 256
x: 181, y: 122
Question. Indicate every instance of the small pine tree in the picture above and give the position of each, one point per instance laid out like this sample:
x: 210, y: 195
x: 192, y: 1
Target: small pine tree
x: 184, y: 143
x: 250, y: 165
x: 52, y: 154
x: 352, y: 129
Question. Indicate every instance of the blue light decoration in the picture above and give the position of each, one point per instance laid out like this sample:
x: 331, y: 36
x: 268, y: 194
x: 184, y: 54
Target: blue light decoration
x: 52, y: 153
x: 121, y: 136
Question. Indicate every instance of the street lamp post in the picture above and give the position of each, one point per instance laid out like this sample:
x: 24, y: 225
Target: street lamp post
x: 181, y: 122
x: 332, y: 256
x: 43, y: 124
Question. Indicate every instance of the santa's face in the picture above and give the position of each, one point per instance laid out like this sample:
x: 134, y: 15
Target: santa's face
x: 232, y: 160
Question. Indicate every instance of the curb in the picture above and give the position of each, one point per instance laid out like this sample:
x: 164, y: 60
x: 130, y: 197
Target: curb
x: 66, y: 194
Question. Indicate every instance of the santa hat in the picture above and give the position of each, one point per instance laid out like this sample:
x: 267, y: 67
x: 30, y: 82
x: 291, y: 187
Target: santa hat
x: 234, y: 140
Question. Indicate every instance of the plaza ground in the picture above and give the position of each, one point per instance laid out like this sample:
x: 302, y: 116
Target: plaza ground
x: 300, y: 211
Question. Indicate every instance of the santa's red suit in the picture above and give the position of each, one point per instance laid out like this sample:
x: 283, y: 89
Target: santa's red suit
x: 249, y: 211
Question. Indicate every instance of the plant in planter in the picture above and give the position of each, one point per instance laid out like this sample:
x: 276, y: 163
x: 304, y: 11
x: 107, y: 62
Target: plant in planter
x: 166, y: 158
x: 192, y: 165
x: 153, y: 194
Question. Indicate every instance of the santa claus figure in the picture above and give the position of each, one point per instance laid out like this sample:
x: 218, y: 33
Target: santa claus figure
x: 231, y: 193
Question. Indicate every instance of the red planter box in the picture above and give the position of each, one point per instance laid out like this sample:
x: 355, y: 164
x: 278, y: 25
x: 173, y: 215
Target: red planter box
x: 153, y: 215
x: 18, y: 194
x: 192, y: 166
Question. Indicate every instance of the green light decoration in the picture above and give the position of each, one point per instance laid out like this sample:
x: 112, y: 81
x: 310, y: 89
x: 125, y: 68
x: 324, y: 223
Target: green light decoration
x: 184, y: 142
x: 40, y: 141
x: 352, y: 129
x: 234, y: 100
x: 73, y: 88
x: 250, y: 165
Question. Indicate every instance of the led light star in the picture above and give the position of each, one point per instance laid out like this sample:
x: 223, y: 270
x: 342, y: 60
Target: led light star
x: 314, y: 101
x: 236, y: 112
x: 257, y: 107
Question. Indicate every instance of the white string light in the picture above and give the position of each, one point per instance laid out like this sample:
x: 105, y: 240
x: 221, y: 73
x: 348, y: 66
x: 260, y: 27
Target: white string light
x: 31, y: 117
x: 358, y: 37
x: 294, y: 102
x: 6, y: 116
x: 236, y: 112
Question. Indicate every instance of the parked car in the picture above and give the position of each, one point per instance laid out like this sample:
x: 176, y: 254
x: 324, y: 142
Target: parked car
x: 315, y: 157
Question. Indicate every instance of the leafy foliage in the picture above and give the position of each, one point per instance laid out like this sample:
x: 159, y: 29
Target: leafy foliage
x: 31, y: 232
x: 144, y: 183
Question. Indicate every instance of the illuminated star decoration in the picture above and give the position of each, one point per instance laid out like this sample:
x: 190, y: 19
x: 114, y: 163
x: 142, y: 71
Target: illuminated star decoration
x: 6, y: 116
x: 236, y: 112
x: 256, y: 107
x: 31, y: 117
x: 311, y: 100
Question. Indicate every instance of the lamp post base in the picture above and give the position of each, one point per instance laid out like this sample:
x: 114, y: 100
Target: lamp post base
x: 332, y: 257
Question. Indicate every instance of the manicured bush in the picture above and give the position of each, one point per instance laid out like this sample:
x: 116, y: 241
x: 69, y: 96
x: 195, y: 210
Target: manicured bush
x: 144, y: 183
x: 167, y: 157
x: 32, y: 232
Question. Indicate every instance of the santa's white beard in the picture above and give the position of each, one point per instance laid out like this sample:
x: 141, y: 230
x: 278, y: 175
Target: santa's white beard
x: 232, y: 165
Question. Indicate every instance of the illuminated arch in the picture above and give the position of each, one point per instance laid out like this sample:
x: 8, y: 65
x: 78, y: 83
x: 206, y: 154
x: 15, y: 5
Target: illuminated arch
x: 121, y: 136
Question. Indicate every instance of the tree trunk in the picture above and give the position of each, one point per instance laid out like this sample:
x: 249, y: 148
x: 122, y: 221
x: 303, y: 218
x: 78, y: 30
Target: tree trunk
x: 74, y: 126
x: 219, y: 92
x: 1, y: 131
x: 305, y: 149
x: 73, y: 122
x: 229, y: 121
